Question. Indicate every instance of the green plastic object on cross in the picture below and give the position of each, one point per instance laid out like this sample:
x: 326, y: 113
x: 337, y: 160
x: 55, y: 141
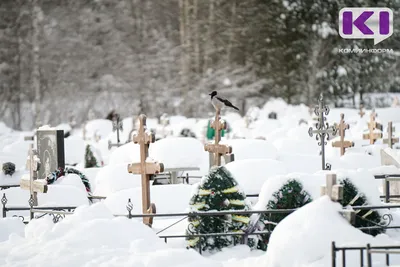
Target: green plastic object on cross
x: 211, y: 131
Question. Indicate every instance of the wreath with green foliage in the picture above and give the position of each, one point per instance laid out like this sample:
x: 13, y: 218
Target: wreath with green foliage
x: 364, y: 218
x: 290, y: 196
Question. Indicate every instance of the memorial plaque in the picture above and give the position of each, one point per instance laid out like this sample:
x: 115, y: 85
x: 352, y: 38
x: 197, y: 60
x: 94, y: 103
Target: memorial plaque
x: 50, y: 146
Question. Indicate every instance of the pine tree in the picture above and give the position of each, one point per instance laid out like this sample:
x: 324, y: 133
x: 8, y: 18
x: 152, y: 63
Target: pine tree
x: 218, y: 191
x: 364, y: 218
x: 290, y: 196
x: 90, y: 159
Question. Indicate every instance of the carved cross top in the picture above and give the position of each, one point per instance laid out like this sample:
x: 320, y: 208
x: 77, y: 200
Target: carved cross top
x: 390, y: 140
x: 332, y: 189
x: 342, y: 144
x: 217, y: 149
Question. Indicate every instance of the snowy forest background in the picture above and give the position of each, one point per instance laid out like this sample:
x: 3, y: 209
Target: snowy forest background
x: 60, y: 59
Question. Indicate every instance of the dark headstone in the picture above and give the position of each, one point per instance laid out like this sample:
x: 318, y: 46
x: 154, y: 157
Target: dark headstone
x: 8, y: 168
x: 50, y: 145
x: 272, y: 116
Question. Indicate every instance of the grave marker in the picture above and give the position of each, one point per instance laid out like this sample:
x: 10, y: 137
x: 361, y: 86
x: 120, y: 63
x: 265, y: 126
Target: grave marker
x: 272, y: 116
x: 372, y: 136
x: 50, y: 146
x: 117, y: 126
x: 335, y: 193
x: 390, y: 140
x: 342, y: 144
x: 32, y: 184
x: 146, y: 169
x: 217, y: 149
x: 361, y: 112
x: 322, y: 129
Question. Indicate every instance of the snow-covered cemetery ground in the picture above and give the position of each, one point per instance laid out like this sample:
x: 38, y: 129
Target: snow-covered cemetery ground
x: 277, y: 165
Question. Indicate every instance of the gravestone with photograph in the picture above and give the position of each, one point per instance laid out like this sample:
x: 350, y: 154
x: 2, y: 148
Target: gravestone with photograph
x: 50, y: 146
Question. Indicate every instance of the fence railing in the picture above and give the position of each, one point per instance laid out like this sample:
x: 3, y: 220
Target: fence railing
x: 369, y: 250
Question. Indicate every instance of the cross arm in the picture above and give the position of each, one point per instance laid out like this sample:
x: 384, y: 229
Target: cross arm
x: 150, y: 168
x: 37, y: 185
x: 220, y: 149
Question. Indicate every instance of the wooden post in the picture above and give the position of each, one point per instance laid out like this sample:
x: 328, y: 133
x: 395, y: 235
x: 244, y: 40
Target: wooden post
x: 342, y: 144
x: 361, y: 112
x: 372, y: 126
x: 217, y: 149
x: 335, y: 193
x: 390, y: 140
x: 146, y: 169
x: 32, y: 184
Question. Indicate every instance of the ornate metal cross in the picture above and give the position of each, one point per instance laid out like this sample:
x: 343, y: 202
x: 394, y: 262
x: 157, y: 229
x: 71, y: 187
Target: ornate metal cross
x: 146, y: 169
x: 342, y: 144
x: 217, y: 149
x: 32, y: 184
x: 390, y: 140
x: 322, y: 129
x: 372, y: 126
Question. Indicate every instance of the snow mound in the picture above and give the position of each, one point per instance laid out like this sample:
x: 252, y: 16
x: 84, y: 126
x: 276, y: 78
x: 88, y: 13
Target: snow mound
x: 10, y: 226
x: 306, y: 236
x: 100, y: 127
x: 128, y: 153
x: 113, y: 178
x: 74, y: 150
x: 167, y: 198
x: 94, y: 238
x: 252, y: 149
x: 175, y: 152
x: 252, y: 173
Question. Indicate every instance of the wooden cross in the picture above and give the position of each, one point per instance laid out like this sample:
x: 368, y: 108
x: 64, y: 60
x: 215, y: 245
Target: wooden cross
x: 32, y: 184
x: 361, y: 113
x: 332, y: 189
x: 146, y: 169
x: 217, y: 149
x: 342, y: 144
x: 390, y: 140
x: 373, y: 125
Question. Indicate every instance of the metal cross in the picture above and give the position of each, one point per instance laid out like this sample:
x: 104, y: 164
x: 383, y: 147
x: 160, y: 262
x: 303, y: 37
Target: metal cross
x: 342, y: 144
x: 117, y: 126
x: 322, y: 129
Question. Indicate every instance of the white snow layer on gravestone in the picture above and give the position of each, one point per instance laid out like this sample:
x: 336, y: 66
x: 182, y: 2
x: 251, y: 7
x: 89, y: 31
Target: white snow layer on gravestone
x: 252, y: 149
x: 95, y: 238
x: 311, y: 183
x: 168, y: 199
x: 176, y: 152
x: 113, y: 178
x: 306, y: 236
x: 128, y: 153
x: 252, y: 173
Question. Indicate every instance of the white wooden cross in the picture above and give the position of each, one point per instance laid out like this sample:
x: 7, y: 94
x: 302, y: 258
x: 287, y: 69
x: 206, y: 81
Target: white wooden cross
x: 217, y: 149
x: 390, y: 140
x: 331, y: 189
x: 145, y: 169
x: 32, y: 184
